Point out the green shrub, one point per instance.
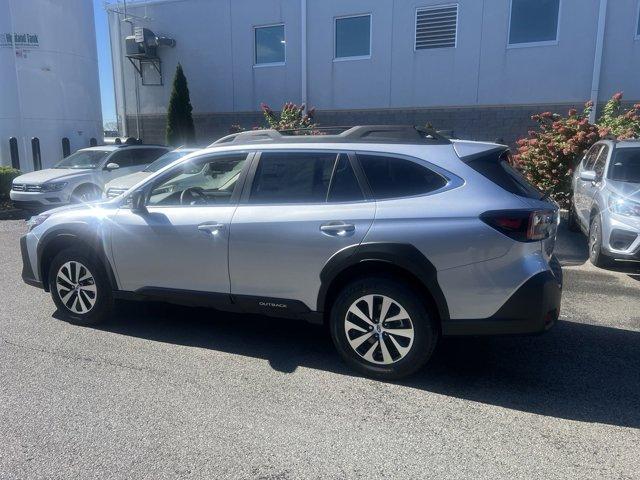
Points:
(7, 174)
(180, 128)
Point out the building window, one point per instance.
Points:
(270, 45)
(353, 37)
(436, 27)
(638, 24)
(534, 21)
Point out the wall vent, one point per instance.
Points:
(436, 27)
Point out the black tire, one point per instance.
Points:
(572, 220)
(597, 257)
(424, 329)
(85, 193)
(72, 303)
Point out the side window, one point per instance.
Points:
(270, 45)
(353, 36)
(600, 162)
(534, 21)
(209, 181)
(292, 177)
(145, 156)
(590, 157)
(123, 158)
(344, 184)
(391, 177)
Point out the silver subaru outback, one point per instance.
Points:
(391, 236)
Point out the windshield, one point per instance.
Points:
(83, 159)
(625, 165)
(165, 160)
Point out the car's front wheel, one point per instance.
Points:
(80, 288)
(382, 328)
(597, 257)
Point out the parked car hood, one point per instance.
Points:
(625, 189)
(82, 206)
(49, 174)
(127, 181)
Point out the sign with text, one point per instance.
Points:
(19, 40)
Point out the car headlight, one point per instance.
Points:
(53, 187)
(36, 220)
(623, 206)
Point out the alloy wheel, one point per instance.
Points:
(379, 329)
(76, 287)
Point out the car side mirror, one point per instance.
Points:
(588, 176)
(137, 201)
(112, 166)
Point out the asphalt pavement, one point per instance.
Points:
(174, 392)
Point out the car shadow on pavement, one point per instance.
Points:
(576, 371)
(572, 250)
(571, 247)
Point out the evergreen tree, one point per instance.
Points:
(180, 129)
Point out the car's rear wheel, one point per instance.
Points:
(382, 329)
(80, 287)
(597, 257)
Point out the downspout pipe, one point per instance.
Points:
(303, 52)
(118, 80)
(597, 61)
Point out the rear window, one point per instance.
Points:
(495, 166)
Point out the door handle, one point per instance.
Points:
(338, 229)
(211, 228)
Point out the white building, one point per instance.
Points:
(49, 87)
(478, 67)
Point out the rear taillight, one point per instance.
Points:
(522, 225)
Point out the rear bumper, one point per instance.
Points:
(28, 275)
(533, 308)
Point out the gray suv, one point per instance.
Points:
(606, 201)
(391, 236)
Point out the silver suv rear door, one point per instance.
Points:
(299, 208)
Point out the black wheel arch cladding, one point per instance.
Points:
(73, 235)
(399, 255)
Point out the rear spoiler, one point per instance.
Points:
(469, 151)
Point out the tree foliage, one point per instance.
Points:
(180, 129)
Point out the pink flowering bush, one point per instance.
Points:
(618, 122)
(548, 156)
(291, 117)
